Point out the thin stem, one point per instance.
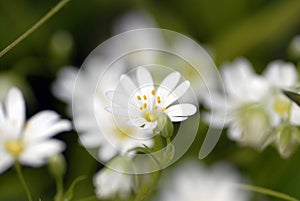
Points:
(39, 23)
(266, 191)
(59, 189)
(168, 140)
(25, 186)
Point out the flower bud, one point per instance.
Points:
(288, 137)
(57, 165)
(164, 126)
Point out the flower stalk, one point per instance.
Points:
(21, 177)
(266, 191)
(39, 23)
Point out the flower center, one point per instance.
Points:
(149, 105)
(14, 147)
(281, 106)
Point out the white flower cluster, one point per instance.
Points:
(28, 143)
(137, 99)
(192, 181)
(258, 113)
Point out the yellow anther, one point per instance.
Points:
(158, 99)
(145, 105)
(155, 107)
(141, 108)
(163, 109)
(145, 97)
(153, 92)
(139, 98)
(147, 114)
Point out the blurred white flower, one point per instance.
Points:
(247, 118)
(284, 114)
(281, 75)
(29, 143)
(198, 68)
(143, 104)
(258, 114)
(192, 181)
(110, 183)
(97, 128)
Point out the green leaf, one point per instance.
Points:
(70, 192)
(293, 96)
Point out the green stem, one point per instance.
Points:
(25, 186)
(168, 140)
(59, 189)
(39, 23)
(266, 191)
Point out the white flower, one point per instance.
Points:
(284, 114)
(282, 75)
(192, 181)
(29, 143)
(97, 128)
(247, 118)
(110, 183)
(143, 104)
(258, 112)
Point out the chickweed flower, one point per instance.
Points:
(192, 181)
(96, 127)
(247, 118)
(28, 143)
(258, 113)
(143, 104)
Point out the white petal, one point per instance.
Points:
(281, 74)
(137, 122)
(178, 119)
(150, 125)
(37, 154)
(91, 140)
(128, 86)
(106, 152)
(168, 84)
(64, 84)
(295, 114)
(236, 75)
(177, 93)
(144, 77)
(216, 119)
(117, 111)
(117, 98)
(15, 108)
(235, 132)
(6, 161)
(180, 110)
(45, 124)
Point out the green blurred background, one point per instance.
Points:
(259, 30)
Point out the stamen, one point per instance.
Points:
(139, 98)
(141, 108)
(147, 114)
(163, 109)
(153, 92)
(145, 97)
(158, 99)
(155, 107)
(145, 105)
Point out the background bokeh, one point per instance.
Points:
(258, 30)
